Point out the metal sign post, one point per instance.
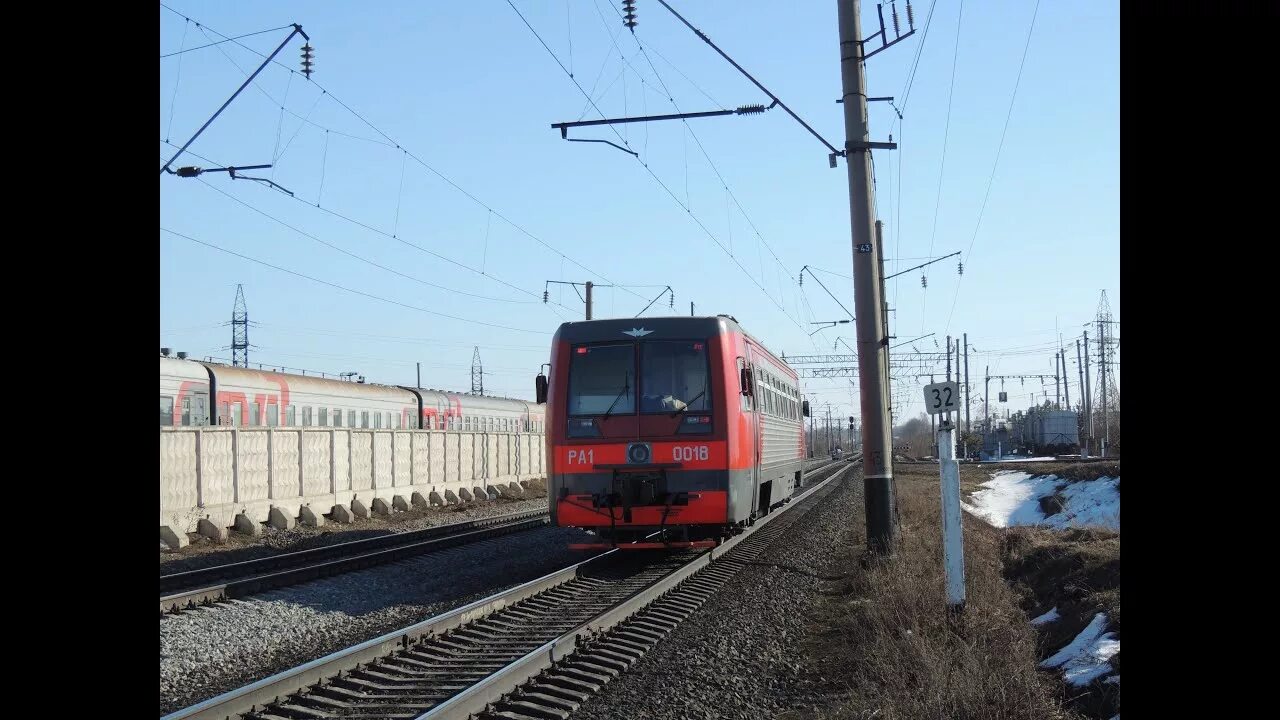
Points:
(952, 533)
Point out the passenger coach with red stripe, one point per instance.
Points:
(684, 427)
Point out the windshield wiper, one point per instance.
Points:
(626, 385)
(686, 405)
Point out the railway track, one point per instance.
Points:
(184, 590)
(536, 650)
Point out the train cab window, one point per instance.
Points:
(166, 411)
(602, 379)
(291, 415)
(674, 375)
(306, 417)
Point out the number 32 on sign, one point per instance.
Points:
(943, 397)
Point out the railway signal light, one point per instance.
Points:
(307, 60)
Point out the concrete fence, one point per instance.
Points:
(216, 478)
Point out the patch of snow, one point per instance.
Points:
(1046, 618)
(1012, 498)
(1114, 679)
(1086, 657)
(1094, 503)
(1018, 458)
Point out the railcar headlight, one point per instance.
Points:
(639, 453)
(583, 427)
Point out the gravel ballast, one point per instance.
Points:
(742, 654)
(202, 552)
(207, 651)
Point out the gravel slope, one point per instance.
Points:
(208, 651)
(742, 654)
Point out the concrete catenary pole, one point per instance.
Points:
(1088, 390)
(1066, 377)
(1057, 389)
(986, 400)
(589, 286)
(1084, 407)
(1102, 382)
(877, 438)
(884, 303)
(968, 399)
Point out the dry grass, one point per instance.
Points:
(1078, 572)
(884, 641)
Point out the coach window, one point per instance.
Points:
(255, 410)
(273, 415)
(291, 415)
(377, 421)
(237, 415)
(166, 410)
(306, 417)
(395, 421)
(364, 418)
(351, 418)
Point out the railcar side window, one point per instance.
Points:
(166, 411)
(237, 415)
(364, 418)
(291, 415)
(255, 411)
(306, 416)
(377, 421)
(351, 419)
(273, 415)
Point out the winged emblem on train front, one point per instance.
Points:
(636, 332)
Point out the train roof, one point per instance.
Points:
(319, 384)
(655, 328)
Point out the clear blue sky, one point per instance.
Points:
(467, 89)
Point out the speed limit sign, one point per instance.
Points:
(943, 397)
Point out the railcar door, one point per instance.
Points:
(757, 429)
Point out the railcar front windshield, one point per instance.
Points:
(602, 379)
(673, 376)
